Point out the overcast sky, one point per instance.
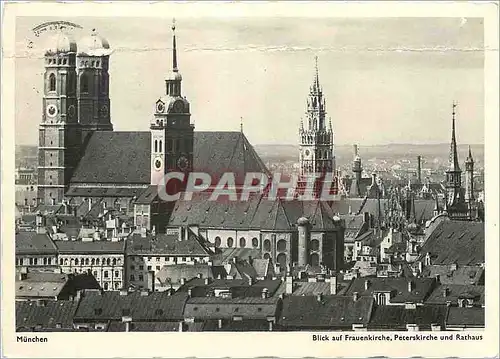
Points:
(386, 80)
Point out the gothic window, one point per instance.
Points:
(381, 299)
(281, 245)
(267, 245)
(76, 261)
(52, 82)
(160, 147)
(114, 261)
(156, 145)
(84, 83)
(86, 261)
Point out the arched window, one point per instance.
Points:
(92, 262)
(160, 148)
(281, 260)
(281, 245)
(114, 261)
(108, 261)
(267, 245)
(230, 242)
(52, 82)
(217, 242)
(76, 261)
(156, 145)
(255, 242)
(87, 261)
(267, 256)
(243, 242)
(381, 299)
(315, 245)
(84, 83)
(61, 261)
(97, 261)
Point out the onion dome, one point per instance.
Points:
(61, 43)
(303, 221)
(94, 45)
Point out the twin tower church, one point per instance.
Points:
(81, 157)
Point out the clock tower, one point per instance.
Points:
(59, 131)
(316, 152)
(172, 134)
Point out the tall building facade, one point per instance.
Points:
(316, 146)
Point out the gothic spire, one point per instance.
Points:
(469, 157)
(174, 49)
(454, 165)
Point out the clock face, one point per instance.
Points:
(160, 107)
(182, 163)
(178, 106)
(307, 153)
(71, 111)
(51, 110)
(158, 163)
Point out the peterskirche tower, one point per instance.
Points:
(316, 151)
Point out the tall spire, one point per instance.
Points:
(174, 48)
(454, 165)
(316, 75)
(469, 157)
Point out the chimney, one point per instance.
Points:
(250, 280)
(333, 285)
(207, 281)
(419, 169)
(265, 292)
(374, 179)
(127, 320)
(181, 326)
(40, 224)
(270, 326)
(319, 297)
(446, 292)
(355, 296)
(183, 281)
(181, 233)
(289, 285)
(90, 203)
(366, 217)
(190, 293)
(144, 293)
(367, 284)
(123, 292)
(410, 285)
(438, 278)
(219, 322)
(250, 260)
(199, 275)
(143, 232)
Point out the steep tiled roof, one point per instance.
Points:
(396, 317)
(452, 292)
(222, 308)
(460, 275)
(421, 288)
(248, 325)
(238, 287)
(34, 243)
(66, 247)
(124, 157)
(325, 312)
(47, 315)
(165, 244)
(459, 242)
(465, 317)
(172, 274)
(155, 327)
(156, 306)
(313, 288)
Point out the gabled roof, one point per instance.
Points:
(452, 292)
(227, 308)
(460, 275)
(396, 317)
(49, 314)
(325, 312)
(172, 274)
(124, 157)
(465, 317)
(34, 243)
(40, 285)
(455, 242)
(83, 247)
(156, 306)
(165, 244)
(421, 288)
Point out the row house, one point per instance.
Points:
(105, 260)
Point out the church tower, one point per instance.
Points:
(59, 131)
(172, 134)
(316, 152)
(453, 174)
(93, 84)
(469, 178)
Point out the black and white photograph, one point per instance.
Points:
(316, 173)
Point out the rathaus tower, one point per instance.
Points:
(316, 152)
